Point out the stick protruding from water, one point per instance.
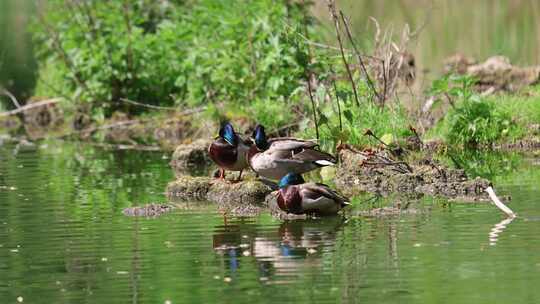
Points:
(500, 204)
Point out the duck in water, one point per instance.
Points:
(297, 197)
(274, 158)
(229, 151)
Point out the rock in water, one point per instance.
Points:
(218, 191)
(150, 210)
(191, 157)
(249, 191)
(189, 188)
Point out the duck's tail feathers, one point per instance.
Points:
(319, 158)
(324, 162)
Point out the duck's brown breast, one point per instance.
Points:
(222, 153)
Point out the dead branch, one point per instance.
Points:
(497, 202)
(30, 106)
(333, 14)
(310, 76)
(362, 65)
(10, 96)
(147, 105)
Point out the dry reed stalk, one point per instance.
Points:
(333, 14)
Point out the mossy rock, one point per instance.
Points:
(228, 195)
(189, 188)
(244, 192)
(149, 210)
(357, 174)
(188, 158)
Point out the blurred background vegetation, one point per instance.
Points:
(247, 59)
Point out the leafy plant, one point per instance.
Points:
(389, 123)
(175, 53)
(477, 122)
(472, 120)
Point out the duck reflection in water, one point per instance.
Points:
(295, 245)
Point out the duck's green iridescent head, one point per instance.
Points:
(260, 138)
(291, 179)
(227, 132)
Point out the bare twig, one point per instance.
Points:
(147, 105)
(11, 96)
(385, 83)
(362, 65)
(309, 75)
(333, 13)
(30, 106)
(337, 98)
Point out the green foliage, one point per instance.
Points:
(479, 163)
(472, 120)
(389, 123)
(183, 54)
(476, 121)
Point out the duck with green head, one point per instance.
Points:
(229, 151)
(298, 197)
(274, 158)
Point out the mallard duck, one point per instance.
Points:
(229, 151)
(297, 197)
(274, 158)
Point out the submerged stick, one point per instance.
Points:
(499, 204)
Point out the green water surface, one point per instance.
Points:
(64, 239)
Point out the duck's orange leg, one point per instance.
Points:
(221, 173)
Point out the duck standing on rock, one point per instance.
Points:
(274, 158)
(229, 151)
(297, 197)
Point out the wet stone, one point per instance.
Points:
(188, 158)
(189, 188)
(226, 194)
(150, 210)
(249, 191)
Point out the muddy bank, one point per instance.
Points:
(45, 118)
(361, 172)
